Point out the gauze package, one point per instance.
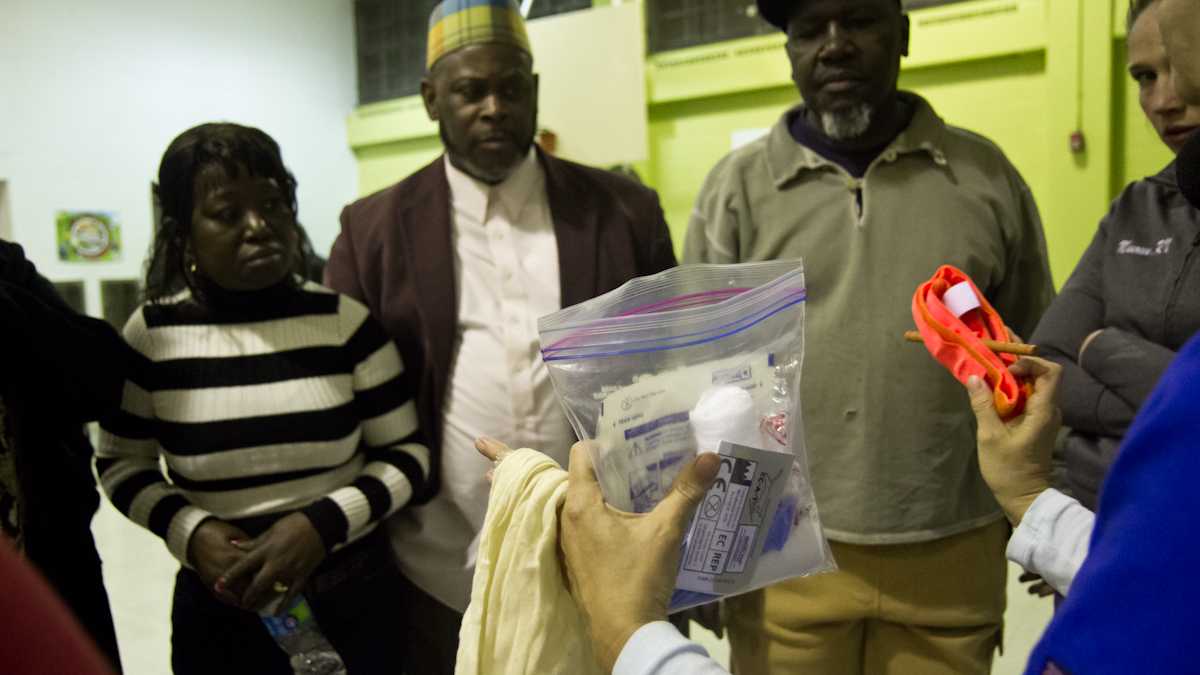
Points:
(700, 358)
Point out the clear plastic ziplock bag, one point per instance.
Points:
(700, 358)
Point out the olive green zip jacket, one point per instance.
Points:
(889, 433)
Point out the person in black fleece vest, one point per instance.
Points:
(58, 370)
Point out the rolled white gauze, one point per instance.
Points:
(725, 413)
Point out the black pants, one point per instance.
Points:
(375, 618)
(73, 568)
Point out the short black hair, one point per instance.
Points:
(230, 147)
(777, 12)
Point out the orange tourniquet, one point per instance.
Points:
(957, 342)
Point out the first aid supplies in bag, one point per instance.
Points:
(700, 358)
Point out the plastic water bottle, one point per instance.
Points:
(299, 636)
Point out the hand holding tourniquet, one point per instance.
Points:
(954, 319)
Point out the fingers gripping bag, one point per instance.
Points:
(700, 358)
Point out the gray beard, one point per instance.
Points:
(847, 124)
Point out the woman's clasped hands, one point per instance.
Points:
(257, 573)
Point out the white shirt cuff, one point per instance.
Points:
(1052, 539)
(652, 649)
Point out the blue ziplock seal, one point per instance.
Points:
(607, 322)
(664, 344)
(732, 328)
(600, 325)
(687, 279)
(581, 334)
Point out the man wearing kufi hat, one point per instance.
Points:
(875, 192)
(460, 259)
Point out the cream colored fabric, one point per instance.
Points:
(522, 620)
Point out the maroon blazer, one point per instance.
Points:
(395, 255)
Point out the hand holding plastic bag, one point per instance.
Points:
(701, 358)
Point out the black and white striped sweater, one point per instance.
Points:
(260, 405)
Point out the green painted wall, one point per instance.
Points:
(383, 164)
(1025, 73)
(688, 137)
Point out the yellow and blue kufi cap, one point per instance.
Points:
(455, 24)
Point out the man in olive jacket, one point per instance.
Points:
(874, 191)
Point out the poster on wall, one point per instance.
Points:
(88, 236)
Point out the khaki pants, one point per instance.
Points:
(925, 609)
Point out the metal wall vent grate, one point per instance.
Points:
(391, 37)
(542, 8)
(391, 47)
(677, 24)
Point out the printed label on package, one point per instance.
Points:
(645, 430)
(727, 532)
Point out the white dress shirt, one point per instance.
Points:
(1052, 539)
(506, 274)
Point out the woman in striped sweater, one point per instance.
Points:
(279, 411)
